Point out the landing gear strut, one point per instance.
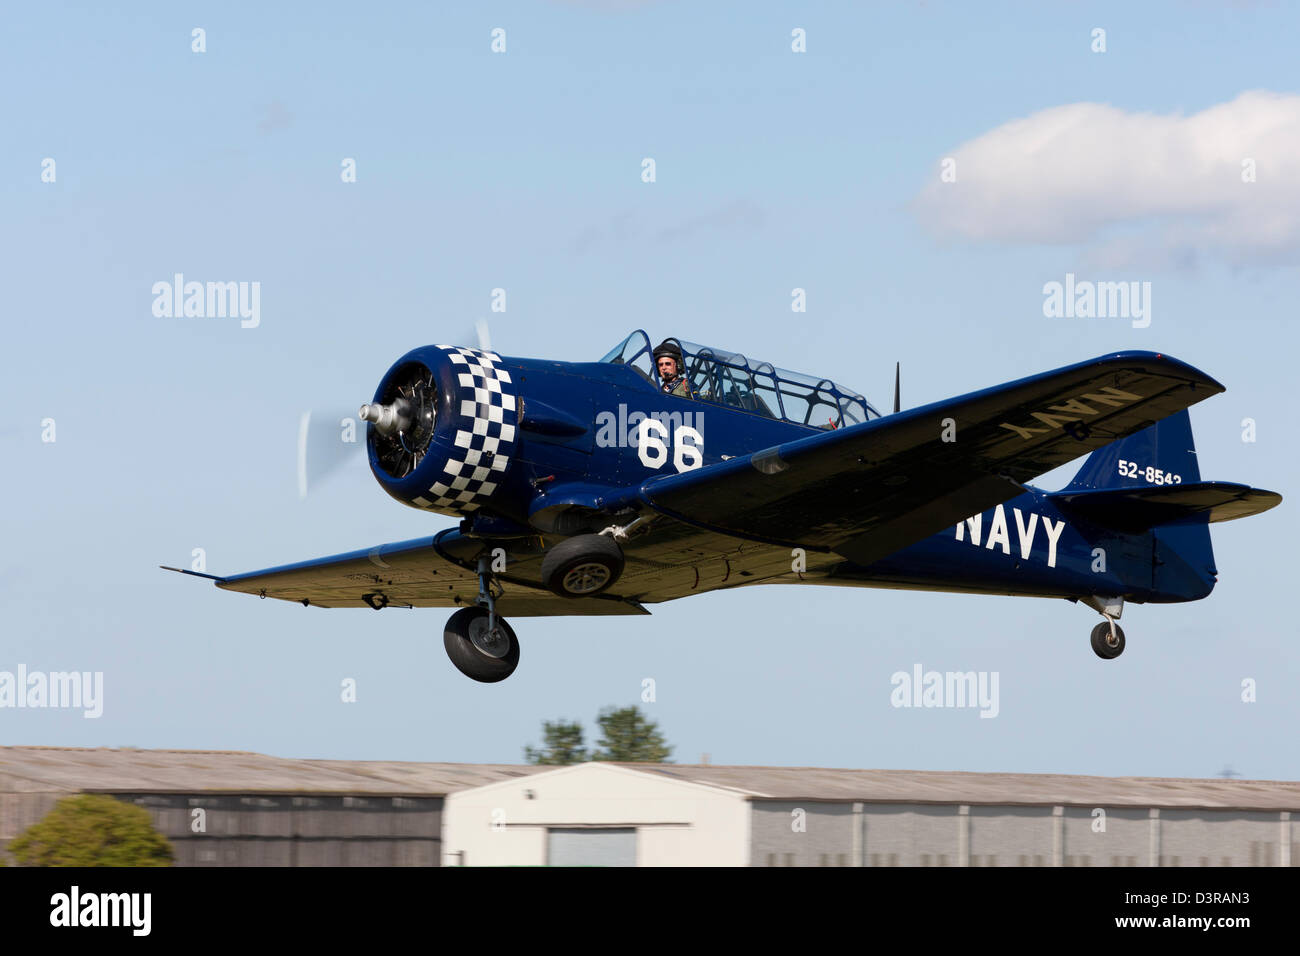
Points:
(1107, 637)
(481, 644)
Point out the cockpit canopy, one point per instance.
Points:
(728, 378)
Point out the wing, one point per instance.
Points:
(871, 489)
(425, 572)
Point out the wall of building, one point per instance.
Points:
(826, 837)
(677, 824)
(303, 830)
(1225, 838)
(944, 835)
(18, 811)
(899, 834)
(1124, 841)
(1009, 836)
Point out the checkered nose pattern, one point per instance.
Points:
(485, 421)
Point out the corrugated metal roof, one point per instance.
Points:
(214, 771)
(207, 771)
(943, 786)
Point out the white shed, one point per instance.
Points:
(595, 814)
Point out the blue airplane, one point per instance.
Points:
(654, 474)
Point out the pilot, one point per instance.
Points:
(669, 362)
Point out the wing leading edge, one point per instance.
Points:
(869, 490)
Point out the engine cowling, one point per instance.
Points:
(443, 427)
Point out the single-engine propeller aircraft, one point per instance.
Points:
(589, 488)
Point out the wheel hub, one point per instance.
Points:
(493, 642)
(586, 578)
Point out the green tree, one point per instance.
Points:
(627, 735)
(92, 829)
(562, 745)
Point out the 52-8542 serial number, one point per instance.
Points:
(1153, 475)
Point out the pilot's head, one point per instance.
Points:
(668, 360)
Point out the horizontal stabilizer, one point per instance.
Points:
(1139, 509)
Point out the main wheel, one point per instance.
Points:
(485, 657)
(1105, 647)
(582, 566)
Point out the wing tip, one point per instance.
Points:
(197, 574)
(1164, 360)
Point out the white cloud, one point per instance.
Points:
(1137, 188)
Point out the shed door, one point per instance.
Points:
(591, 847)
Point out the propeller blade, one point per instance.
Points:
(325, 443)
(484, 338)
(898, 369)
(304, 424)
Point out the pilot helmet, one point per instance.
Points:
(672, 350)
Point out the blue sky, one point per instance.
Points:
(521, 170)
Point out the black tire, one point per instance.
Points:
(458, 639)
(582, 566)
(1101, 641)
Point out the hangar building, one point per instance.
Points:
(246, 809)
(665, 814)
(222, 808)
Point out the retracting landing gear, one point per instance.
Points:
(1107, 637)
(583, 565)
(481, 644)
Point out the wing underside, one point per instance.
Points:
(417, 573)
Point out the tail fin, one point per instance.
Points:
(1163, 454)
(1150, 483)
(1151, 479)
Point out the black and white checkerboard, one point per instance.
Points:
(485, 433)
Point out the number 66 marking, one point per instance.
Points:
(654, 453)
